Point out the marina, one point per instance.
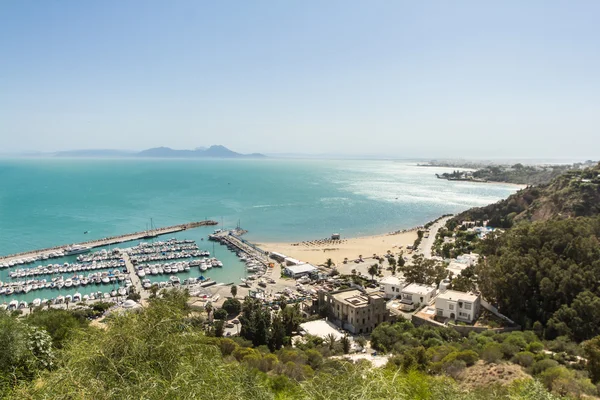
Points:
(111, 273)
(29, 257)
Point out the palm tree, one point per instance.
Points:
(49, 303)
(208, 309)
(329, 262)
(330, 341)
(234, 291)
(67, 302)
(373, 270)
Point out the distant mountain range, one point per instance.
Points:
(216, 151)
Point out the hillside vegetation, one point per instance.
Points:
(163, 352)
(575, 193)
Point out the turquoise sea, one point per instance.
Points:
(49, 202)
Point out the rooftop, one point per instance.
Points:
(321, 328)
(354, 298)
(392, 280)
(455, 295)
(418, 288)
(299, 269)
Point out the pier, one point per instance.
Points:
(114, 239)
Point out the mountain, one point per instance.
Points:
(216, 151)
(575, 193)
(94, 153)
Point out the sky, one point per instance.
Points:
(397, 78)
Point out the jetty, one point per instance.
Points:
(114, 239)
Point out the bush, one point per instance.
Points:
(227, 346)
(535, 347)
(540, 366)
(524, 359)
(469, 357)
(454, 368)
(491, 353)
(220, 314)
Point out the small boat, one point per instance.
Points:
(86, 297)
(68, 298)
(13, 305)
(36, 302)
(59, 300)
(122, 291)
(77, 297)
(23, 304)
(175, 280)
(113, 293)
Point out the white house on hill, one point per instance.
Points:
(391, 286)
(457, 305)
(417, 294)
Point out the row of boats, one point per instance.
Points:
(115, 277)
(181, 266)
(53, 269)
(76, 298)
(67, 251)
(142, 258)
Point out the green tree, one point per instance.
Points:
(373, 270)
(234, 291)
(220, 314)
(346, 345)
(255, 321)
(219, 328)
(592, 354)
(291, 318)
(277, 333)
(232, 306)
(329, 262)
(423, 271)
(330, 341)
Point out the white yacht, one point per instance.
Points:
(76, 249)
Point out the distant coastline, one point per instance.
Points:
(215, 151)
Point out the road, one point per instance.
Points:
(427, 243)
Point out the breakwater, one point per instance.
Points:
(113, 239)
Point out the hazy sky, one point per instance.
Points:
(404, 78)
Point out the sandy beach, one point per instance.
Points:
(316, 252)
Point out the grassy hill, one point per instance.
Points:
(575, 193)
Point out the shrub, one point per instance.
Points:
(469, 357)
(454, 368)
(535, 347)
(524, 359)
(491, 353)
(227, 346)
(542, 365)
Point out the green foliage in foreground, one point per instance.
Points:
(158, 353)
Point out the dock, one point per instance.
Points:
(114, 239)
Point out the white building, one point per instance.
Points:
(468, 259)
(296, 271)
(458, 305)
(293, 261)
(391, 286)
(417, 294)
